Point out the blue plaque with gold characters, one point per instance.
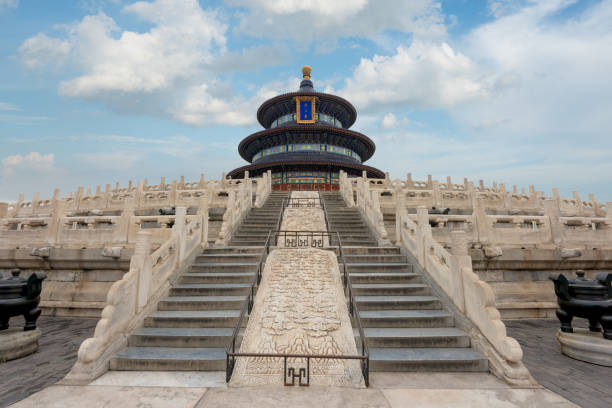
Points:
(305, 108)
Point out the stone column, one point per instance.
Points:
(55, 227)
(3, 210)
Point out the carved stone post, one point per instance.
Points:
(400, 212)
(553, 212)
(122, 231)
(179, 229)
(174, 194)
(437, 197)
(423, 231)
(3, 210)
(460, 258)
(54, 229)
(203, 212)
(479, 217)
(145, 269)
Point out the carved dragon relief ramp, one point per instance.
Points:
(300, 309)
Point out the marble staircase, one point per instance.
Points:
(193, 325)
(405, 324)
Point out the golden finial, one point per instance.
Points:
(306, 70)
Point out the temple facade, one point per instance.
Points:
(307, 141)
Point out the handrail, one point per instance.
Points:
(324, 210)
(231, 353)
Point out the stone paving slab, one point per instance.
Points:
(389, 390)
(588, 385)
(58, 346)
(65, 396)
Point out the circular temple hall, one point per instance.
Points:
(306, 141)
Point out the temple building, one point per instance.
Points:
(306, 141)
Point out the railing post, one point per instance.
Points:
(142, 258)
(54, 230)
(460, 258)
(553, 212)
(204, 219)
(179, 229)
(479, 217)
(122, 230)
(3, 210)
(423, 230)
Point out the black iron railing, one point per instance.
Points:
(300, 239)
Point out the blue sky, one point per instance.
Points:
(512, 91)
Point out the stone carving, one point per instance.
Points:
(300, 308)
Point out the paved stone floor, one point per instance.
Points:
(587, 385)
(387, 390)
(58, 346)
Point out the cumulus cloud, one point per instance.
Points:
(422, 75)
(30, 161)
(172, 69)
(308, 21)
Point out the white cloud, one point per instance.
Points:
(42, 51)
(30, 161)
(389, 121)
(307, 21)
(172, 69)
(557, 75)
(423, 75)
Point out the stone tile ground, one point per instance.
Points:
(587, 385)
(58, 346)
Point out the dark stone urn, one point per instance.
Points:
(20, 296)
(586, 298)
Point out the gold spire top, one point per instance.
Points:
(306, 70)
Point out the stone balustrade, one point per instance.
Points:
(135, 296)
(109, 218)
(473, 298)
(433, 193)
(238, 205)
(142, 196)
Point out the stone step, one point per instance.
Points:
(248, 243)
(183, 337)
(193, 318)
(385, 277)
(224, 267)
(169, 359)
(360, 250)
(375, 258)
(210, 289)
(397, 337)
(201, 303)
(379, 267)
(391, 289)
(249, 237)
(397, 303)
(228, 258)
(406, 318)
(234, 250)
(427, 359)
(218, 277)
